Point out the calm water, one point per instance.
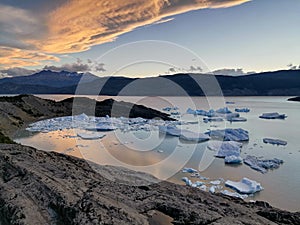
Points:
(165, 156)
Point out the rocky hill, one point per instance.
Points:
(49, 188)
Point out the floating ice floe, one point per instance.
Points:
(245, 186)
(274, 115)
(192, 136)
(242, 110)
(170, 130)
(230, 103)
(102, 127)
(168, 109)
(234, 194)
(224, 149)
(232, 159)
(229, 134)
(274, 141)
(212, 119)
(90, 136)
(184, 134)
(212, 189)
(187, 181)
(262, 165)
(224, 110)
(215, 182)
(237, 119)
(189, 170)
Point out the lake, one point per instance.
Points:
(165, 156)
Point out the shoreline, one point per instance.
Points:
(64, 188)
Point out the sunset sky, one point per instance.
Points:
(257, 35)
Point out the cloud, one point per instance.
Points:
(16, 71)
(75, 26)
(231, 72)
(78, 66)
(13, 57)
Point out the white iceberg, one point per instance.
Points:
(198, 184)
(90, 136)
(229, 134)
(215, 182)
(170, 130)
(212, 189)
(189, 170)
(234, 194)
(236, 119)
(212, 119)
(224, 110)
(245, 186)
(232, 159)
(274, 115)
(102, 127)
(224, 149)
(262, 165)
(242, 110)
(192, 136)
(187, 181)
(274, 141)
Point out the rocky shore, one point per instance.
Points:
(294, 99)
(39, 187)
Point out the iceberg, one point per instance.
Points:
(170, 130)
(198, 184)
(262, 165)
(189, 170)
(227, 148)
(242, 110)
(232, 159)
(245, 186)
(187, 181)
(274, 115)
(224, 110)
(192, 136)
(215, 182)
(229, 134)
(234, 194)
(102, 127)
(274, 141)
(212, 119)
(212, 189)
(237, 119)
(90, 136)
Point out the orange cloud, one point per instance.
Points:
(77, 25)
(13, 57)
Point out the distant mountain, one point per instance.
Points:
(50, 79)
(279, 83)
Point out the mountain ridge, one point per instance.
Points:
(277, 83)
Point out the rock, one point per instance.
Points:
(50, 188)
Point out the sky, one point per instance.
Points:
(140, 38)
